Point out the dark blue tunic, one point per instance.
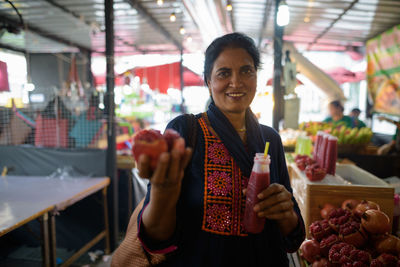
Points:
(198, 243)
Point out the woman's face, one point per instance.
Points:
(233, 80)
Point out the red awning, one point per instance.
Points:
(159, 77)
(4, 86)
(101, 80)
(166, 76)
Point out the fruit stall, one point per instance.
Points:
(349, 213)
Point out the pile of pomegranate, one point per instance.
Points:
(312, 169)
(356, 234)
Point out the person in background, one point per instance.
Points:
(336, 115)
(394, 145)
(354, 114)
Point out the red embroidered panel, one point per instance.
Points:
(224, 201)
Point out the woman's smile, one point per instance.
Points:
(233, 80)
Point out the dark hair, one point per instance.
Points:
(337, 104)
(356, 110)
(231, 40)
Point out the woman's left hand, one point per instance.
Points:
(275, 203)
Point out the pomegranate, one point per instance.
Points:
(375, 222)
(174, 141)
(387, 244)
(151, 143)
(323, 262)
(338, 217)
(352, 233)
(320, 229)
(326, 210)
(310, 251)
(364, 206)
(327, 243)
(315, 173)
(384, 260)
(337, 250)
(343, 254)
(350, 204)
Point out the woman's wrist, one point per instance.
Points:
(159, 221)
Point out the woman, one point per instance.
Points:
(195, 217)
(336, 115)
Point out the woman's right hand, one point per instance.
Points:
(159, 216)
(167, 177)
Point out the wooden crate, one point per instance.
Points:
(311, 196)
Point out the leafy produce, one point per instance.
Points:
(354, 235)
(153, 144)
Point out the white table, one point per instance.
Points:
(25, 198)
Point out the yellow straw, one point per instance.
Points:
(266, 149)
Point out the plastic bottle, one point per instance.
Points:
(331, 155)
(259, 181)
(317, 145)
(322, 150)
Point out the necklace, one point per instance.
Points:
(241, 130)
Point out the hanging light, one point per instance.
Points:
(189, 39)
(160, 2)
(283, 16)
(307, 19)
(182, 30)
(229, 7)
(172, 17)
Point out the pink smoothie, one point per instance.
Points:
(259, 181)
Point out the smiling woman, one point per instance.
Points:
(194, 210)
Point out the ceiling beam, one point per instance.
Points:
(12, 48)
(89, 23)
(151, 20)
(332, 24)
(6, 19)
(264, 25)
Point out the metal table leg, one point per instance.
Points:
(106, 225)
(44, 225)
(52, 239)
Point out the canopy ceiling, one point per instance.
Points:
(142, 26)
